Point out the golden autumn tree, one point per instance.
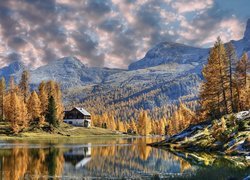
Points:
(34, 108)
(133, 126)
(215, 88)
(59, 104)
(120, 126)
(242, 82)
(161, 127)
(15, 112)
(112, 124)
(24, 116)
(144, 124)
(43, 96)
(232, 60)
(126, 126)
(2, 94)
(12, 85)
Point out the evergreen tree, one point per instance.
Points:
(53, 89)
(24, 86)
(51, 112)
(2, 94)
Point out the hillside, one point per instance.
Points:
(229, 135)
(169, 72)
(64, 131)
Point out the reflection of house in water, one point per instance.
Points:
(78, 156)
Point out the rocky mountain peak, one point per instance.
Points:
(70, 61)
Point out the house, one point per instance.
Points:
(78, 117)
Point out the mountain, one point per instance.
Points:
(243, 45)
(70, 72)
(168, 72)
(15, 68)
(168, 52)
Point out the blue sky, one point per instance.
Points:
(112, 33)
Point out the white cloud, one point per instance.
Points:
(184, 6)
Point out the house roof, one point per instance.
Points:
(83, 111)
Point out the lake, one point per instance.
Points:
(113, 158)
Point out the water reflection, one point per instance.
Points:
(78, 157)
(19, 163)
(117, 158)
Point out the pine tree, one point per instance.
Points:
(242, 68)
(215, 89)
(133, 126)
(120, 126)
(59, 104)
(51, 112)
(161, 127)
(12, 85)
(140, 125)
(34, 107)
(144, 124)
(43, 96)
(2, 94)
(53, 89)
(112, 124)
(24, 86)
(24, 116)
(232, 58)
(15, 115)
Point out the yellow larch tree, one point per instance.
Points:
(133, 126)
(34, 107)
(43, 96)
(15, 115)
(242, 83)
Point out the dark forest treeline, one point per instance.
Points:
(22, 108)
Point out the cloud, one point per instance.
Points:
(109, 33)
(205, 28)
(183, 6)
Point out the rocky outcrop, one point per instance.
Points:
(229, 135)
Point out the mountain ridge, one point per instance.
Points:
(168, 72)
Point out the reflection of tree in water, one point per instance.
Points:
(123, 160)
(212, 166)
(21, 163)
(135, 160)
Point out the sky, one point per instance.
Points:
(112, 33)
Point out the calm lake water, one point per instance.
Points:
(127, 158)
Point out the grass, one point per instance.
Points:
(64, 131)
